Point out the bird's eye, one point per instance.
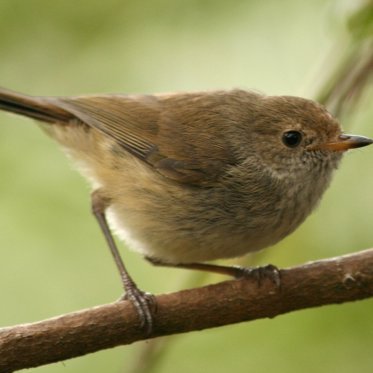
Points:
(292, 138)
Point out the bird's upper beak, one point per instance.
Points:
(344, 142)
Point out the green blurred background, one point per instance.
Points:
(53, 258)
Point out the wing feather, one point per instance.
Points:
(116, 116)
(162, 135)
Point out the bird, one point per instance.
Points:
(190, 177)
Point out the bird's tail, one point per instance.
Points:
(44, 109)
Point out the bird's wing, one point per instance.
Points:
(142, 128)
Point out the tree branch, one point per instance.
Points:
(330, 281)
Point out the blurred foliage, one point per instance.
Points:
(53, 258)
(360, 24)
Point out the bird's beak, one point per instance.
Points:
(343, 143)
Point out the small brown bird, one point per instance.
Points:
(191, 177)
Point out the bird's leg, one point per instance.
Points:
(258, 273)
(144, 302)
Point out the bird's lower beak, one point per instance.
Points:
(343, 143)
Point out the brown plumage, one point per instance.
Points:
(199, 176)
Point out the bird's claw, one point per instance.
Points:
(145, 305)
(260, 273)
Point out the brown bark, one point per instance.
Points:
(330, 281)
